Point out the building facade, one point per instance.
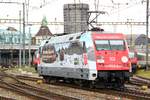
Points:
(12, 36)
(10, 44)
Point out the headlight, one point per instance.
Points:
(124, 59)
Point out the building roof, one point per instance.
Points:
(131, 38)
(141, 40)
(11, 29)
(44, 31)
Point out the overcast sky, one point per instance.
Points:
(117, 10)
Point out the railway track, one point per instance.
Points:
(128, 92)
(138, 80)
(66, 88)
(12, 83)
(70, 89)
(5, 98)
(134, 93)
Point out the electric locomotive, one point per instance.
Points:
(91, 58)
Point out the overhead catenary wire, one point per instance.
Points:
(125, 8)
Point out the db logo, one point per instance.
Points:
(112, 59)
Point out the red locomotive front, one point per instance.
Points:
(111, 52)
(112, 61)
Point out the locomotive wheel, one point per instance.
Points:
(70, 81)
(91, 85)
(79, 82)
(46, 79)
(50, 80)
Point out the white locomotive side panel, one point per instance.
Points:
(68, 54)
(68, 58)
(90, 54)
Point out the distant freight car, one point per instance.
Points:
(91, 57)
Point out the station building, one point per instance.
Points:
(11, 43)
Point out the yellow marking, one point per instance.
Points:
(144, 87)
(39, 81)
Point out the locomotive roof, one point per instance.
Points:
(57, 38)
(65, 38)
